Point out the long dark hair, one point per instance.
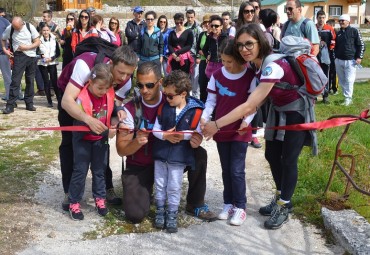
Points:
(163, 17)
(228, 48)
(240, 21)
(255, 31)
(79, 25)
(68, 33)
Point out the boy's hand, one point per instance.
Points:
(172, 136)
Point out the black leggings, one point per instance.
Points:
(283, 157)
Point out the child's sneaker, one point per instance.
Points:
(171, 221)
(160, 215)
(75, 212)
(238, 217)
(100, 206)
(226, 212)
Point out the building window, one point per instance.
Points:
(335, 10)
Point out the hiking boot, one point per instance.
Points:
(30, 107)
(171, 221)
(255, 143)
(267, 209)
(226, 212)
(40, 93)
(238, 217)
(112, 197)
(8, 110)
(65, 203)
(100, 206)
(202, 212)
(279, 216)
(325, 100)
(160, 215)
(75, 212)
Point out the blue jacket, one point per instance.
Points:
(181, 152)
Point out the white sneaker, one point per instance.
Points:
(238, 217)
(347, 102)
(226, 212)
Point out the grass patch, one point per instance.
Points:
(314, 171)
(366, 60)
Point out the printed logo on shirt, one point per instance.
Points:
(267, 71)
(224, 91)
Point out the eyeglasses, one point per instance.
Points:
(70, 18)
(170, 96)
(149, 19)
(249, 45)
(341, 20)
(84, 17)
(290, 9)
(113, 23)
(179, 22)
(215, 26)
(149, 85)
(248, 11)
(162, 21)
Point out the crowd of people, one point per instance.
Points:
(192, 80)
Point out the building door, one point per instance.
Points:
(315, 10)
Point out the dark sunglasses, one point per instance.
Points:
(149, 85)
(162, 21)
(113, 23)
(70, 19)
(179, 23)
(248, 11)
(249, 45)
(84, 17)
(290, 9)
(215, 26)
(170, 96)
(256, 7)
(149, 19)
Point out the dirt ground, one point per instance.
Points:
(34, 223)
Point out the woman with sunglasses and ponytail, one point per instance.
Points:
(83, 29)
(180, 41)
(212, 45)
(288, 107)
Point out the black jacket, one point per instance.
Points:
(211, 47)
(349, 44)
(132, 32)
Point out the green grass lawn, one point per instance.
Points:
(366, 60)
(314, 171)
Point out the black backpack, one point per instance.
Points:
(102, 47)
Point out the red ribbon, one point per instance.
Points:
(330, 123)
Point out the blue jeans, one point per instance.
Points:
(232, 156)
(93, 154)
(6, 72)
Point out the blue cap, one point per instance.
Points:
(138, 9)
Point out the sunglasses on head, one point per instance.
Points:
(290, 9)
(179, 22)
(215, 26)
(248, 11)
(170, 96)
(70, 18)
(149, 85)
(84, 17)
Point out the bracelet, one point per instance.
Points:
(217, 126)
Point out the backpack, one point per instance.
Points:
(276, 46)
(102, 47)
(296, 50)
(302, 27)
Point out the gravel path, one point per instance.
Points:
(54, 232)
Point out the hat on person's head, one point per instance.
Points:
(345, 17)
(138, 9)
(206, 18)
(90, 9)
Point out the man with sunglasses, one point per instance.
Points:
(134, 27)
(298, 25)
(71, 81)
(138, 177)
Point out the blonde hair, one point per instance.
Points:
(102, 72)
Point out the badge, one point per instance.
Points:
(267, 71)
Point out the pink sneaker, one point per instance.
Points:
(238, 217)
